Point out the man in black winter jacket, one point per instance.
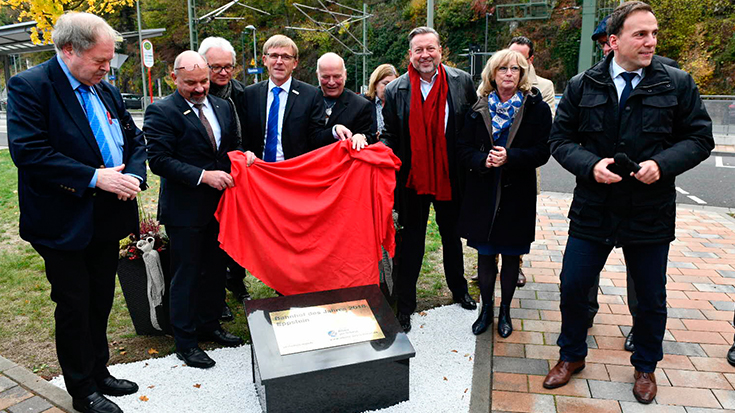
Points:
(629, 104)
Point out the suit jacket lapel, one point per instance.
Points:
(293, 94)
(191, 116)
(263, 99)
(222, 115)
(339, 106)
(69, 101)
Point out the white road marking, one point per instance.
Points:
(695, 199)
(719, 164)
(681, 191)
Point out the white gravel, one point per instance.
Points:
(441, 374)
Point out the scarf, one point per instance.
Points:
(225, 92)
(429, 164)
(502, 114)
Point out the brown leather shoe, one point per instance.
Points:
(562, 372)
(645, 388)
(521, 278)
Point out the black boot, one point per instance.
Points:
(505, 325)
(484, 320)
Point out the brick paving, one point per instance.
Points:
(693, 377)
(21, 391)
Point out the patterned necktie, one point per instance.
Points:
(206, 124)
(628, 77)
(271, 139)
(96, 125)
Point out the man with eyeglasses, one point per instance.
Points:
(189, 135)
(424, 112)
(221, 59)
(625, 128)
(284, 117)
(343, 107)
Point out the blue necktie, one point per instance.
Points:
(96, 126)
(271, 139)
(628, 77)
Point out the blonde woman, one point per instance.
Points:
(382, 75)
(501, 145)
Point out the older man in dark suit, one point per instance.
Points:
(342, 107)
(189, 135)
(81, 163)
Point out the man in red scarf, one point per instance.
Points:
(421, 128)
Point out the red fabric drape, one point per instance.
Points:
(429, 163)
(312, 223)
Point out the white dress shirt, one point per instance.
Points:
(426, 88)
(283, 98)
(616, 70)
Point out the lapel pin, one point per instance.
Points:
(187, 112)
(295, 91)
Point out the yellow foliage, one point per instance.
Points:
(46, 12)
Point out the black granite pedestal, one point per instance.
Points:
(350, 378)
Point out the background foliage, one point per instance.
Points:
(700, 34)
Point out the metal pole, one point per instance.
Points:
(140, 54)
(364, 47)
(255, 54)
(192, 34)
(244, 62)
(487, 15)
(586, 48)
(430, 13)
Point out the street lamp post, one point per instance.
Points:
(255, 52)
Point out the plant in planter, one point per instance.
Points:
(144, 276)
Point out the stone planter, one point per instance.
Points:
(134, 283)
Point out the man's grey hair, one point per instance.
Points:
(328, 55)
(423, 30)
(218, 42)
(82, 31)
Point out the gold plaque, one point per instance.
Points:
(323, 326)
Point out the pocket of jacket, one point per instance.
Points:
(592, 112)
(658, 113)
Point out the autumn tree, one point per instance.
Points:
(45, 12)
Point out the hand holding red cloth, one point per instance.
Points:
(311, 223)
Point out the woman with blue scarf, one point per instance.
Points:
(501, 145)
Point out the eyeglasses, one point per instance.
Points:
(601, 45)
(188, 68)
(284, 57)
(219, 69)
(513, 69)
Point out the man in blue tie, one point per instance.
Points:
(629, 105)
(284, 116)
(81, 163)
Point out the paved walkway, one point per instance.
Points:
(693, 377)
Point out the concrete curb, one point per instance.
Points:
(482, 373)
(33, 383)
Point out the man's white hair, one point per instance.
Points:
(218, 42)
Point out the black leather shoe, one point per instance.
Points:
(466, 302)
(242, 297)
(95, 403)
(116, 387)
(196, 357)
(226, 313)
(505, 324)
(484, 320)
(405, 320)
(521, 278)
(629, 346)
(731, 355)
(221, 336)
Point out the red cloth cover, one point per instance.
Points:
(311, 223)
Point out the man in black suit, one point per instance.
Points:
(284, 116)
(81, 163)
(189, 135)
(342, 106)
